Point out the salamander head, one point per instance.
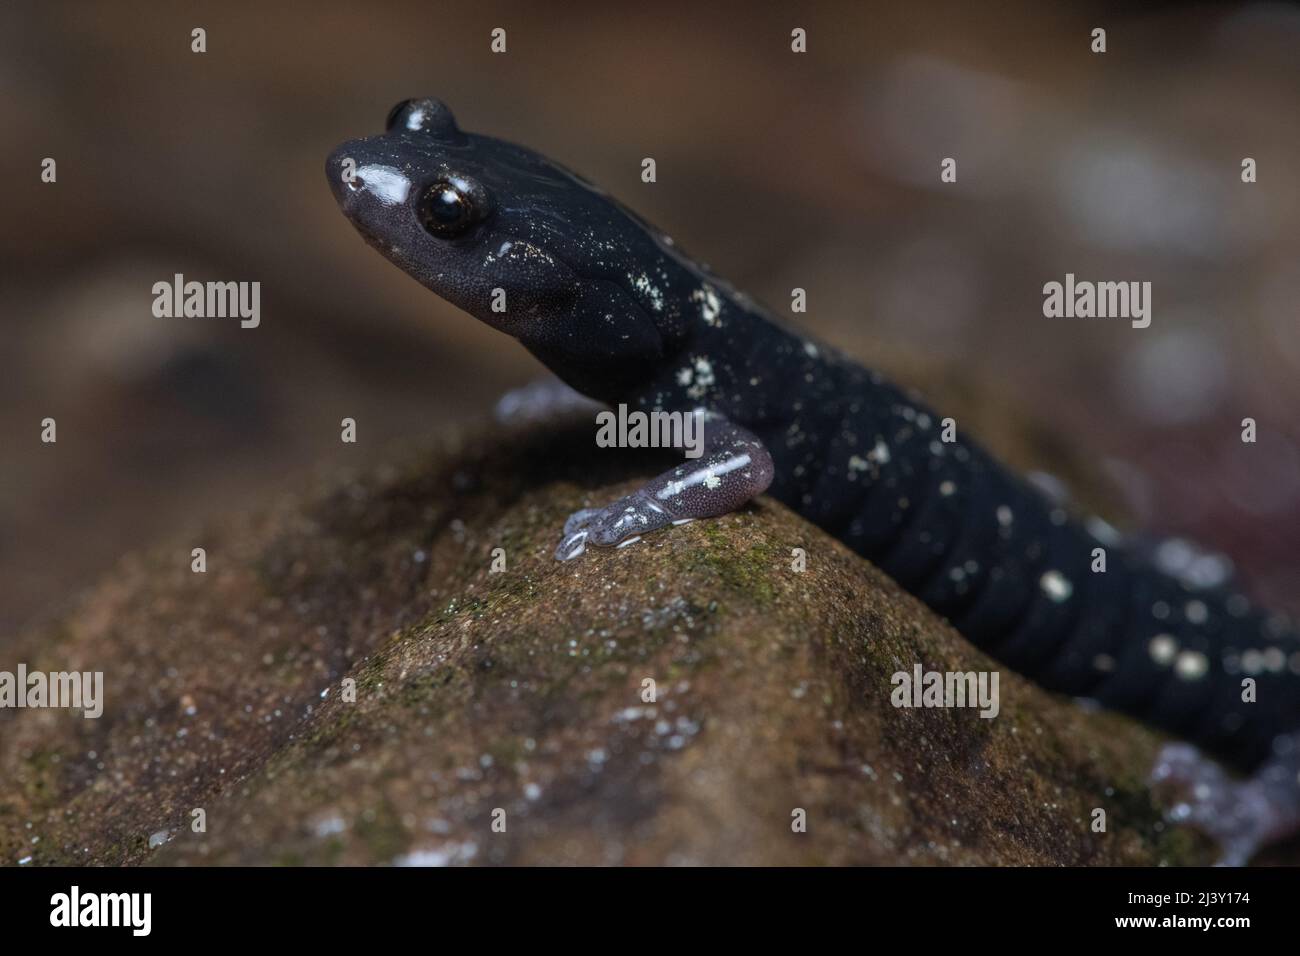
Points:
(515, 240)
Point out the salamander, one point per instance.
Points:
(618, 312)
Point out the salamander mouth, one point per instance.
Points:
(371, 239)
(381, 244)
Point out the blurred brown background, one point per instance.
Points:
(819, 171)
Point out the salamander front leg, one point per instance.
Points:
(1242, 815)
(733, 468)
(539, 400)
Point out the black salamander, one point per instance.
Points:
(619, 313)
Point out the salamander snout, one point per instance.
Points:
(358, 174)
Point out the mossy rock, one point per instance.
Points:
(516, 696)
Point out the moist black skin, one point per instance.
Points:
(611, 306)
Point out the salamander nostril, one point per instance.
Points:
(341, 171)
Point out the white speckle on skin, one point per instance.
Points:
(946, 488)
(643, 285)
(1208, 571)
(1103, 531)
(703, 378)
(387, 184)
(1056, 586)
(1191, 564)
(1005, 516)
(1173, 554)
(710, 305)
(1196, 612)
(1163, 648)
(879, 454)
(1191, 665)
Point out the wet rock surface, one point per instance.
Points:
(517, 696)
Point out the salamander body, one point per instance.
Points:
(618, 312)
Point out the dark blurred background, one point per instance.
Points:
(819, 171)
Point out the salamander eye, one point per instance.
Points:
(423, 116)
(394, 113)
(446, 211)
(452, 205)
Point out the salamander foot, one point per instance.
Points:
(733, 468)
(617, 524)
(1241, 815)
